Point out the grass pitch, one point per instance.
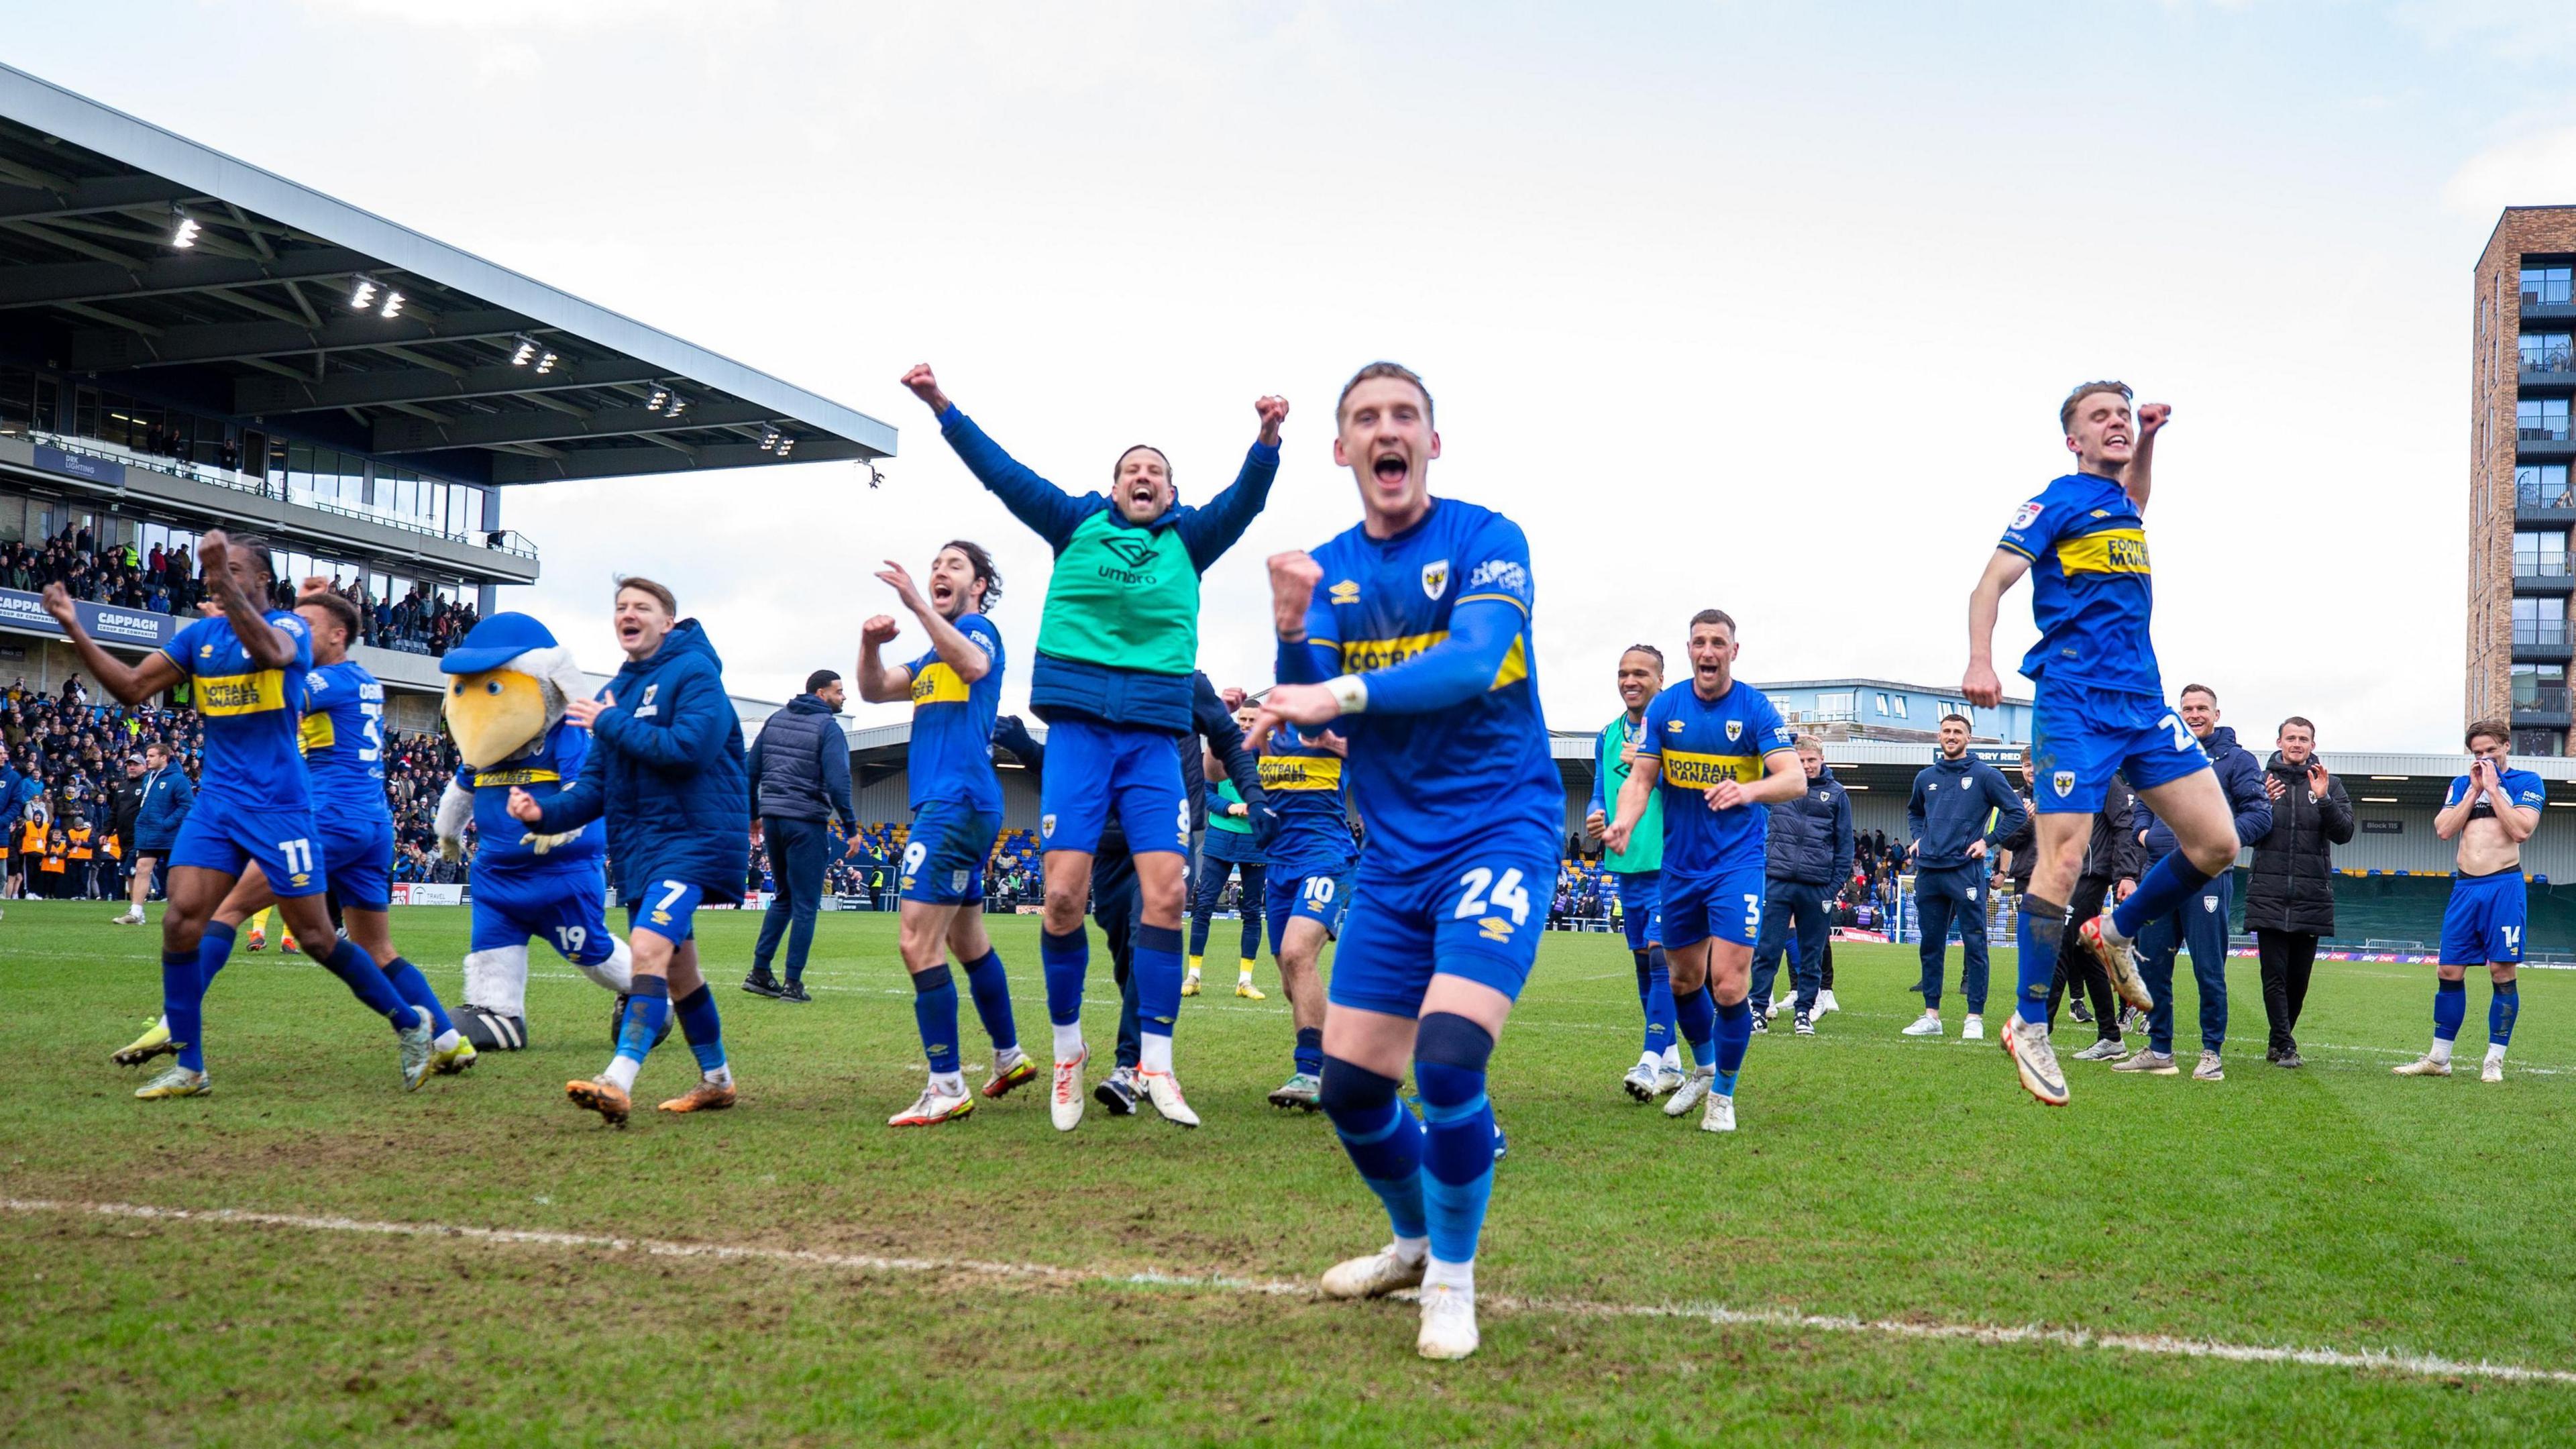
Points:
(994, 1282)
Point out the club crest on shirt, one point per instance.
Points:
(645, 708)
(2208, 904)
(2064, 781)
(2029, 515)
(1734, 730)
(1435, 579)
(1046, 827)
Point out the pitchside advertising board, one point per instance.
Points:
(115, 627)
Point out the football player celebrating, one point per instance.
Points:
(956, 812)
(1413, 630)
(1116, 647)
(254, 805)
(1718, 754)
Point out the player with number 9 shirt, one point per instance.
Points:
(1413, 630)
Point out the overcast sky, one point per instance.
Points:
(1766, 307)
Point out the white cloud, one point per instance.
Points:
(2535, 170)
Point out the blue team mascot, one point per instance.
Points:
(508, 684)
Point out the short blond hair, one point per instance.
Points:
(2066, 409)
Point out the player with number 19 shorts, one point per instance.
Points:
(1413, 631)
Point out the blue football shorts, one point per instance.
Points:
(1641, 904)
(2483, 923)
(1092, 768)
(1724, 905)
(1323, 897)
(359, 849)
(1475, 912)
(225, 835)
(943, 860)
(565, 908)
(668, 909)
(2081, 736)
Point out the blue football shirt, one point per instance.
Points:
(252, 754)
(2522, 787)
(544, 771)
(1303, 781)
(1700, 742)
(1428, 783)
(951, 756)
(2091, 592)
(343, 736)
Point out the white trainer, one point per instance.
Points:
(1720, 1116)
(1825, 1002)
(1380, 1273)
(1164, 1091)
(933, 1107)
(2423, 1066)
(1640, 1082)
(1687, 1095)
(1928, 1024)
(1669, 1078)
(1065, 1106)
(1973, 1029)
(2493, 1071)
(1448, 1322)
(133, 917)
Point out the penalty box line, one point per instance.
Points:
(1992, 1335)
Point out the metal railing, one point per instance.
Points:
(2539, 566)
(2529, 495)
(2553, 358)
(2546, 431)
(2540, 636)
(509, 541)
(2540, 699)
(2548, 291)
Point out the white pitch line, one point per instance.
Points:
(1992, 1335)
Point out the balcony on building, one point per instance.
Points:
(2542, 641)
(2546, 360)
(2542, 494)
(2549, 292)
(2542, 707)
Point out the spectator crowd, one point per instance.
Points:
(164, 581)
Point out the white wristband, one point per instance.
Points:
(1352, 691)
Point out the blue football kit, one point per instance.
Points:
(526, 885)
(1713, 878)
(254, 799)
(956, 796)
(2099, 707)
(1463, 803)
(343, 736)
(1310, 858)
(1450, 766)
(2483, 922)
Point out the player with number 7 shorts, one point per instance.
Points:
(1413, 631)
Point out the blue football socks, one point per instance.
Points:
(183, 998)
(214, 948)
(1655, 994)
(1695, 1017)
(366, 981)
(1734, 1035)
(2042, 931)
(1449, 1055)
(1064, 959)
(703, 1029)
(934, 1011)
(991, 988)
(2161, 891)
(1383, 1140)
(415, 990)
(2502, 1008)
(2450, 1008)
(1157, 969)
(648, 1010)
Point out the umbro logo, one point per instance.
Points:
(1346, 592)
(1133, 552)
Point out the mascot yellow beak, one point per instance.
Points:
(494, 713)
